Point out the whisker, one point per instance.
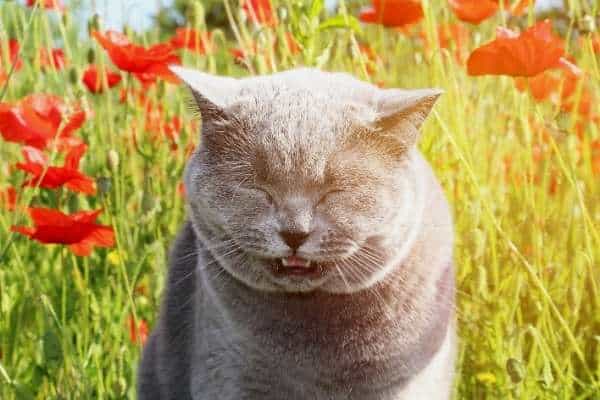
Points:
(343, 277)
(388, 310)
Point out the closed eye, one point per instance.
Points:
(324, 198)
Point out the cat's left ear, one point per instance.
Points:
(400, 113)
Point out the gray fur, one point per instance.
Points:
(327, 154)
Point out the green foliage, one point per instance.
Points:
(518, 174)
(187, 12)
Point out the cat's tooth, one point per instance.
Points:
(295, 262)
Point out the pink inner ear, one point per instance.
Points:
(402, 112)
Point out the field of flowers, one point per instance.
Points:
(95, 132)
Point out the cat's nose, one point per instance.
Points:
(294, 239)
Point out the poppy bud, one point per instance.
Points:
(104, 185)
(587, 24)
(66, 19)
(91, 56)
(119, 386)
(94, 23)
(127, 31)
(73, 78)
(282, 13)
(112, 159)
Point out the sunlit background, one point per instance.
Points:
(514, 140)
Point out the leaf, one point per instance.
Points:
(23, 393)
(341, 21)
(515, 370)
(547, 378)
(52, 347)
(316, 8)
(324, 57)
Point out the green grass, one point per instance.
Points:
(527, 249)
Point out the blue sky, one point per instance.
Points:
(116, 13)
(138, 13)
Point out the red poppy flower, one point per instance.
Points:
(37, 119)
(181, 189)
(238, 54)
(139, 333)
(566, 86)
(596, 44)
(3, 77)
(291, 43)
(97, 82)
(50, 177)
(473, 11)
(259, 12)
(525, 54)
(369, 57)
(10, 49)
(79, 230)
(55, 59)
(453, 37)
(47, 4)
(172, 129)
(160, 127)
(146, 79)
(154, 60)
(187, 38)
(581, 104)
(8, 198)
(137, 95)
(453, 34)
(543, 85)
(392, 13)
(596, 157)
(241, 55)
(540, 86)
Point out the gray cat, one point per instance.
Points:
(317, 260)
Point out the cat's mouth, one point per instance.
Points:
(296, 266)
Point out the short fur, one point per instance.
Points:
(334, 157)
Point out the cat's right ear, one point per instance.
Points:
(211, 93)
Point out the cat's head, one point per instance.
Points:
(304, 180)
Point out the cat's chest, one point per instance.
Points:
(312, 348)
(230, 366)
(241, 376)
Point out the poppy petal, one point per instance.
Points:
(473, 11)
(74, 156)
(392, 13)
(527, 54)
(82, 249)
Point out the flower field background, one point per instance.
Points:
(96, 131)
